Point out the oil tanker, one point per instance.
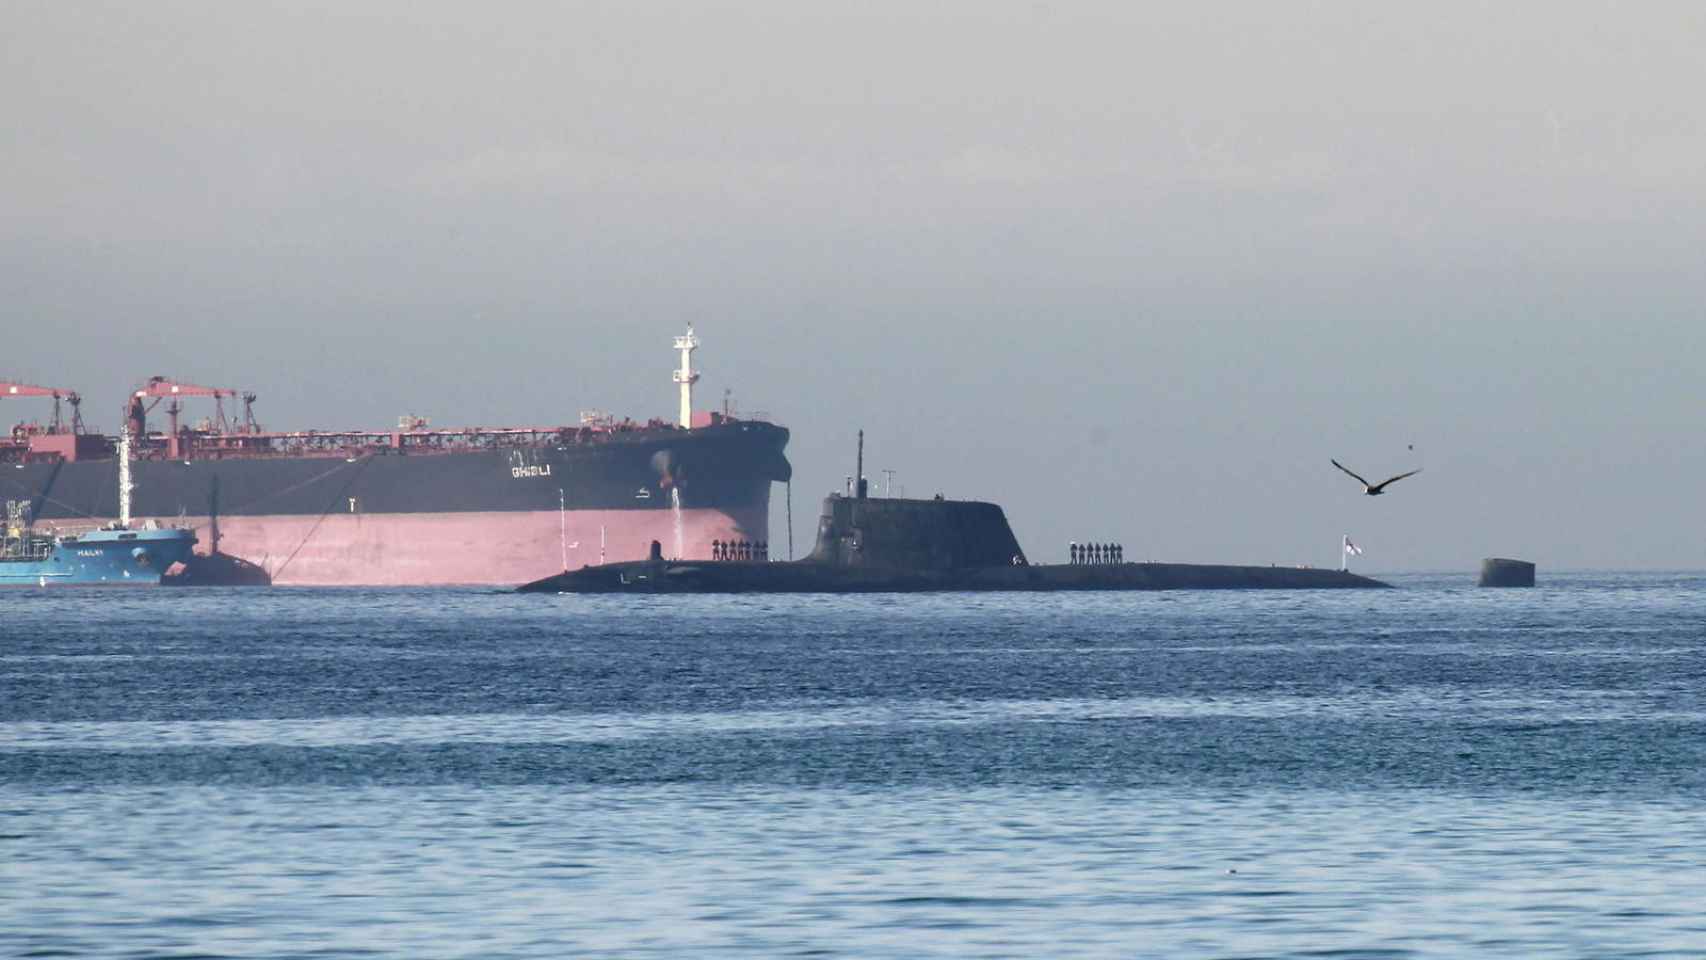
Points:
(414, 505)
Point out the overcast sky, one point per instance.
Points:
(1135, 271)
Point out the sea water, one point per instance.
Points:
(1435, 770)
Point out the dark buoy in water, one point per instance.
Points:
(1499, 572)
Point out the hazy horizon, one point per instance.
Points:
(1134, 272)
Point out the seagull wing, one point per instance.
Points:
(1383, 483)
(1353, 472)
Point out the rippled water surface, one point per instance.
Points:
(1429, 771)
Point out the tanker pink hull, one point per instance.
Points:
(494, 549)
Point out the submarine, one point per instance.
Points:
(896, 545)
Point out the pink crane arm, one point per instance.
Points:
(10, 389)
(162, 387)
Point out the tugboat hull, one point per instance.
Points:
(139, 557)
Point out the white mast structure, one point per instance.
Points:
(124, 484)
(687, 376)
(1347, 550)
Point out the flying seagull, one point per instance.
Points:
(1375, 489)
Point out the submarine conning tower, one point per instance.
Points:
(913, 534)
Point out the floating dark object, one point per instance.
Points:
(1500, 572)
(218, 570)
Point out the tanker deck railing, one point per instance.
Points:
(353, 443)
(196, 444)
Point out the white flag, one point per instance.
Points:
(1352, 548)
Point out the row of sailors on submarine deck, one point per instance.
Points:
(740, 550)
(1084, 553)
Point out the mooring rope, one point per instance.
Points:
(343, 493)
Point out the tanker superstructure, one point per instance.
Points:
(416, 505)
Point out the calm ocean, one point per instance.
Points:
(1430, 771)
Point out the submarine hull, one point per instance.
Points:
(728, 577)
(890, 545)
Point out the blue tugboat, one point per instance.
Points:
(114, 554)
(97, 556)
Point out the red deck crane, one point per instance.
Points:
(10, 389)
(160, 388)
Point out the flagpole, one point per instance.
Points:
(1344, 553)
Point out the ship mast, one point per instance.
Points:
(687, 376)
(124, 485)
